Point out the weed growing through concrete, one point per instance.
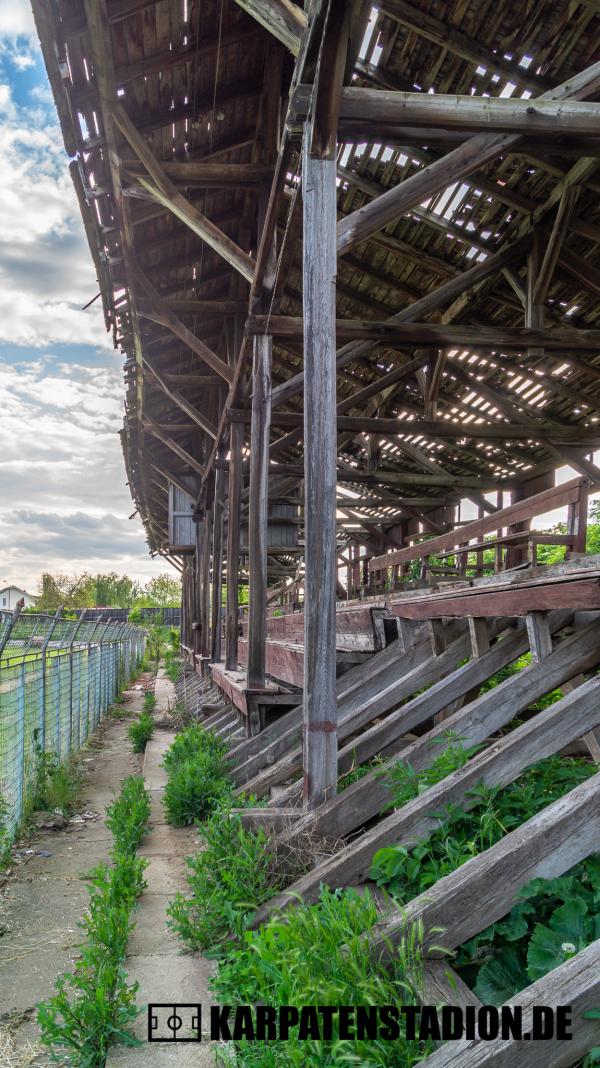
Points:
(140, 732)
(228, 880)
(198, 782)
(94, 1007)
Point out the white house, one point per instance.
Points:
(11, 594)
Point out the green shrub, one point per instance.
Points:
(149, 701)
(552, 920)
(191, 742)
(227, 880)
(460, 835)
(56, 786)
(405, 782)
(197, 777)
(195, 788)
(175, 638)
(316, 955)
(140, 732)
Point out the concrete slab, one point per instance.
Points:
(169, 841)
(166, 874)
(151, 935)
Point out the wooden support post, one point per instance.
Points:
(236, 440)
(540, 637)
(258, 510)
(577, 520)
(480, 635)
(217, 561)
(436, 634)
(319, 269)
(205, 539)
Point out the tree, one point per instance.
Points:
(164, 591)
(71, 591)
(114, 591)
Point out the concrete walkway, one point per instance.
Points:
(42, 901)
(155, 959)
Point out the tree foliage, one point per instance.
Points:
(108, 590)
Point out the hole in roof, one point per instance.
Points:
(368, 33)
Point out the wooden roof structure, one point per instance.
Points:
(184, 121)
(350, 255)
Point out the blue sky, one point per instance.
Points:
(64, 504)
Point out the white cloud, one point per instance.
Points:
(64, 504)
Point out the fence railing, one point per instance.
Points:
(57, 679)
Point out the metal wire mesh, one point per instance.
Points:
(57, 679)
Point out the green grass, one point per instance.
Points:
(140, 732)
(56, 786)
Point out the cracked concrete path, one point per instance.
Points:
(42, 901)
(155, 958)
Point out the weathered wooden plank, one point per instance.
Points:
(443, 986)
(259, 508)
(459, 163)
(453, 111)
(320, 450)
(355, 686)
(363, 710)
(500, 764)
(473, 724)
(217, 563)
(575, 983)
(517, 600)
(436, 334)
(485, 888)
(514, 513)
(236, 441)
(284, 19)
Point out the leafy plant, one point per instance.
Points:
(460, 835)
(5, 836)
(195, 788)
(140, 732)
(405, 782)
(149, 701)
(94, 1006)
(191, 742)
(316, 955)
(56, 786)
(128, 815)
(228, 879)
(553, 920)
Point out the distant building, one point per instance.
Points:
(11, 594)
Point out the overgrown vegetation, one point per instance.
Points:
(228, 880)
(553, 920)
(56, 786)
(316, 956)
(94, 1006)
(460, 835)
(405, 782)
(140, 732)
(5, 836)
(198, 783)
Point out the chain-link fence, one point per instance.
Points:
(57, 678)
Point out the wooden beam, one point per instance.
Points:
(284, 19)
(320, 441)
(556, 497)
(217, 563)
(200, 175)
(197, 417)
(236, 441)
(470, 113)
(575, 983)
(174, 446)
(259, 509)
(449, 38)
(161, 313)
(455, 165)
(555, 242)
(162, 190)
(436, 334)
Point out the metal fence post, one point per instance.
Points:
(73, 636)
(45, 644)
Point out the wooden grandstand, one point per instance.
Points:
(350, 255)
